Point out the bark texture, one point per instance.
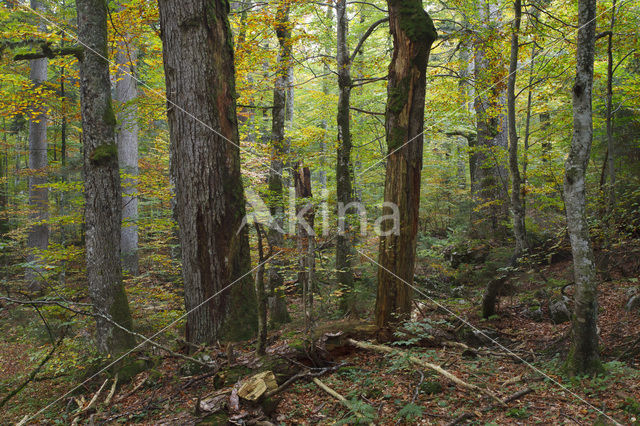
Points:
(517, 205)
(344, 249)
(280, 149)
(489, 177)
(584, 354)
(413, 34)
(126, 94)
(306, 240)
(205, 166)
(38, 236)
(102, 181)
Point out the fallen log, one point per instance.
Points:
(425, 364)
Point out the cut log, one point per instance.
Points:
(419, 362)
(255, 387)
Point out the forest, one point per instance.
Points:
(282, 212)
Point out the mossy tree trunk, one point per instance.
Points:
(4, 183)
(413, 34)
(126, 94)
(279, 151)
(344, 249)
(38, 236)
(102, 181)
(584, 353)
(517, 205)
(205, 165)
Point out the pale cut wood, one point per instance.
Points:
(256, 386)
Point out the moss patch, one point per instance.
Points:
(104, 154)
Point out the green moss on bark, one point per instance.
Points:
(104, 154)
(415, 22)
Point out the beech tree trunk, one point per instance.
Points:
(344, 249)
(611, 153)
(517, 205)
(38, 236)
(102, 181)
(126, 94)
(205, 166)
(4, 184)
(413, 34)
(584, 355)
(280, 149)
(489, 176)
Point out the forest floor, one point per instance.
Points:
(521, 354)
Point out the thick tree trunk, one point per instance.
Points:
(205, 165)
(344, 250)
(517, 205)
(102, 181)
(584, 355)
(413, 34)
(126, 95)
(280, 149)
(38, 236)
(489, 176)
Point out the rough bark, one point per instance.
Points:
(517, 205)
(127, 134)
(583, 355)
(205, 166)
(413, 34)
(102, 182)
(489, 177)
(280, 149)
(344, 249)
(4, 184)
(38, 236)
(261, 295)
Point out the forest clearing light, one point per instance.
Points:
(387, 219)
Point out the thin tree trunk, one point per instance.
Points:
(126, 95)
(4, 183)
(344, 250)
(306, 241)
(280, 149)
(205, 165)
(102, 182)
(517, 206)
(609, 117)
(38, 236)
(584, 354)
(261, 296)
(527, 132)
(413, 34)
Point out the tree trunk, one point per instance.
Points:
(261, 296)
(489, 176)
(126, 95)
(205, 166)
(4, 184)
(583, 355)
(344, 250)
(280, 149)
(517, 205)
(609, 117)
(102, 181)
(306, 240)
(38, 236)
(413, 34)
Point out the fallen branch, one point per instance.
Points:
(93, 401)
(468, 416)
(436, 368)
(135, 388)
(336, 395)
(112, 392)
